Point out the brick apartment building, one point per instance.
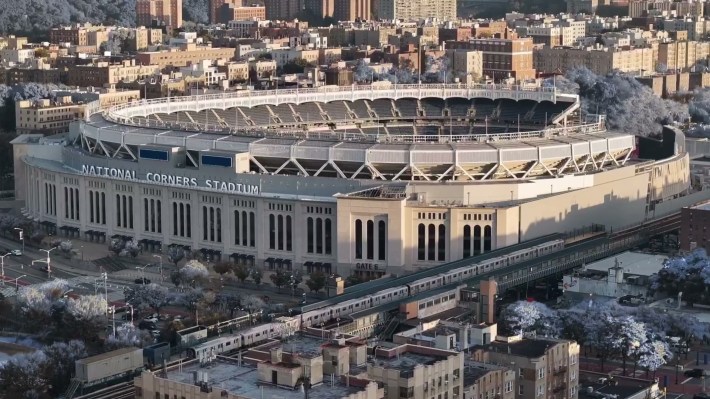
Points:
(167, 12)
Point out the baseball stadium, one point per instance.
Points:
(374, 180)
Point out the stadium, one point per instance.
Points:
(372, 180)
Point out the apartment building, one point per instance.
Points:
(319, 366)
(681, 55)
(230, 12)
(582, 6)
(143, 37)
(16, 56)
(283, 56)
(12, 76)
(600, 60)
(79, 35)
(694, 232)
(484, 380)
(164, 12)
(503, 58)
(46, 116)
(107, 97)
(417, 372)
(319, 8)
(105, 74)
(282, 9)
(639, 8)
(697, 28)
(214, 5)
(351, 10)
(235, 72)
(544, 367)
(179, 57)
(467, 65)
(407, 10)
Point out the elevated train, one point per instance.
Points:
(343, 309)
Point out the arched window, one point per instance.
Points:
(442, 242)
(182, 220)
(328, 237)
(237, 228)
(466, 241)
(487, 238)
(358, 239)
(280, 232)
(370, 239)
(289, 234)
(272, 232)
(204, 222)
(319, 235)
(431, 250)
(310, 234)
(477, 240)
(175, 218)
(381, 240)
(421, 242)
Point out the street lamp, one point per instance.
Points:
(16, 288)
(112, 311)
(130, 307)
(2, 266)
(142, 269)
(81, 248)
(161, 265)
(49, 268)
(22, 237)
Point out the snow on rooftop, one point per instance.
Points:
(244, 382)
(635, 263)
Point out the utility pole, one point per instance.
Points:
(2, 265)
(161, 265)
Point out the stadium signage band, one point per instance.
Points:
(171, 180)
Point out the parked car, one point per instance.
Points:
(16, 252)
(695, 373)
(147, 325)
(142, 281)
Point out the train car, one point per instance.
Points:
(109, 365)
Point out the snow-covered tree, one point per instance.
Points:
(127, 335)
(66, 248)
(59, 363)
(653, 354)
(39, 298)
(522, 317)
(23, 376)
(251, 303)
(116, 245)
(193, 270)
(133, 248)
(87, 307)
(175, 254)
(151, 296)
(631, 336)
(688, 274)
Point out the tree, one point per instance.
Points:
(523, 316)
(175, 254)
(222, 267)
(133, 248)
(251, 304)
(127, 335)
(632, 335)
(175, 278)
(280, 278)
(653, 354)
(256, 274)
(59, 363)
(193, 271)
(148, 296)
(296, 66)
(316, 281)
(116, 245)
(628, 105)
(241, 272)
(66, 248)
(23, 376)
(41, 52)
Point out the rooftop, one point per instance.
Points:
(472, 371)
(637, 263)
(244, 382)
(407, 361)
(530, 348)
(304, 344)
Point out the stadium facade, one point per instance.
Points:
(366, 179)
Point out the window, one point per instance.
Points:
(520, 388)
(572, 391)
(572, 375)
(540, 390)
(541, 373)
(358, 239)
(508, 386)
(421, 242)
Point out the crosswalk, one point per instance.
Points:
(74, 282)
